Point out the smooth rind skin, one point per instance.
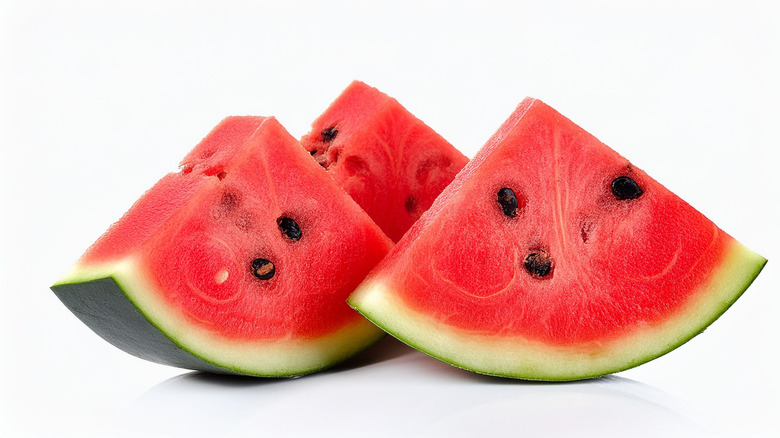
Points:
(102, 305)
(523, 359)
(117, 303)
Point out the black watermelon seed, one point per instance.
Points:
(289, 228)
(508, 201)
(538, 263)
(624, 187)
(313, 153)
(263, 269)
(329, 134)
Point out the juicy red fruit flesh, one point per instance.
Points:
(389, 162)
(248, 240)
(582, 259)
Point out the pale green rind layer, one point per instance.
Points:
(117, 302)
(520, 358)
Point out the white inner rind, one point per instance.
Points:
(263, 357)
(527, 359)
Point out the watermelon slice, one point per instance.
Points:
(551, 257)
(240, 263)
(389, 161)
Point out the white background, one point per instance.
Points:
(100, 99)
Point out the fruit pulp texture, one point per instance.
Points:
(615, 263)
(196, 235)
(391, 163)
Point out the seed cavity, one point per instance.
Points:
(221, 175)
(263, 269)
(586, 227)
(624, 187)
(228, 205)
(508, 201)
(229, 201)
(289, 228)
(329, 134)
(411, 204)
(335, 154)
(538, 263)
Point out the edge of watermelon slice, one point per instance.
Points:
(114, 289)
(524, 359)
(114, 300)
(380, 300)
(389, 161)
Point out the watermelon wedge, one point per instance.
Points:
(389, 161)
(239, 263)
(552, 257)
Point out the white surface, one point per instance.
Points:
(99, 99)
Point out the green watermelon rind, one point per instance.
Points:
(375, 300)
(146, 327)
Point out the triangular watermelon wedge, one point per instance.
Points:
(552, 257)
(390, 162)
(239, 263)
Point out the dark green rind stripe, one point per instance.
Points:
(685, 337)
(103, 306)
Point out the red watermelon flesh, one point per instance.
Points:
(587, 267)
(389, 161)
(239, 263)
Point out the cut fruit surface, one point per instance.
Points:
(389, 161)
(552, 257)
(240, 263)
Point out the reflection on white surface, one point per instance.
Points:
(393, 390)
